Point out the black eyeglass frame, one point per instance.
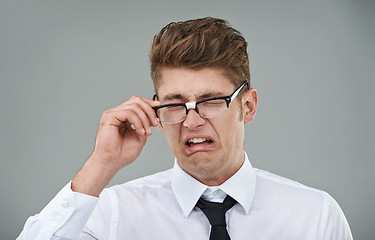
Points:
(194, 105)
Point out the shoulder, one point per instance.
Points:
(152, 183)
(280, 190)
(265, 178)
(146, 190)
(313, 211)
(131, 197)
(300, 204)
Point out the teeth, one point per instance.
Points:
(198, 140)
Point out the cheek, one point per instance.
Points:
(172, 135)
(232, 131)
(231, 135)
(233, 141)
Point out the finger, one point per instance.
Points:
(142, 116)
(136, 122)
(123, 118)
(151, 102)
(146, 106)
(136, 109)
(151, 112)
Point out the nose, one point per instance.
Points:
(193, 119)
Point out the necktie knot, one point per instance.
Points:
(215, 213)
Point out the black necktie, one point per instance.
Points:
(215, 213)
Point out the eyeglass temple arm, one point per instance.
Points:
(234, 95)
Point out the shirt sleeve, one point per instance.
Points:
(63, 218)
(334, 225)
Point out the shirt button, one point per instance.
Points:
(65, 204)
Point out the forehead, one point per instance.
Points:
(193, 84)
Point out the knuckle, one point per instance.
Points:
(105, 115)
(106, 112)
(134, 98)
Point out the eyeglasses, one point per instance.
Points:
(207, 108)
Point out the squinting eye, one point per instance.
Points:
(213, 103)
(173, 109)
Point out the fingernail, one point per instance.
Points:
(156, 121)
(143, 131)
(149, 130)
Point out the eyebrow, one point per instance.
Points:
(172, 96)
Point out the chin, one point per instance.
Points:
(199, 164)
(200, 158)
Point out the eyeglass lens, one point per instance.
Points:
(207, 109)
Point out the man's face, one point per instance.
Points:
(221, 153)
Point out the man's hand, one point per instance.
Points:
(118, 144)
(121, 136)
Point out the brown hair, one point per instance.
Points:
(205, 42)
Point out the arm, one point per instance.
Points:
(117, 145)
(334, 225)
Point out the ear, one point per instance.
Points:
(249, 103)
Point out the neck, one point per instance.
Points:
(219, 176)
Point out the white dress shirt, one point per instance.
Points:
(162, 206)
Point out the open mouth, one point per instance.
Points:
(195, 141)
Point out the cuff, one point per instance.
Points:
(66, 215)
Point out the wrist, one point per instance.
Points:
(93, 177)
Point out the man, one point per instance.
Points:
(203, 100)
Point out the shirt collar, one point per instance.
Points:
(241, 187)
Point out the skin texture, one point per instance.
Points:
(123, 131)
(117, 143)
(213, 163)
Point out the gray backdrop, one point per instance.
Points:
(62, 63)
